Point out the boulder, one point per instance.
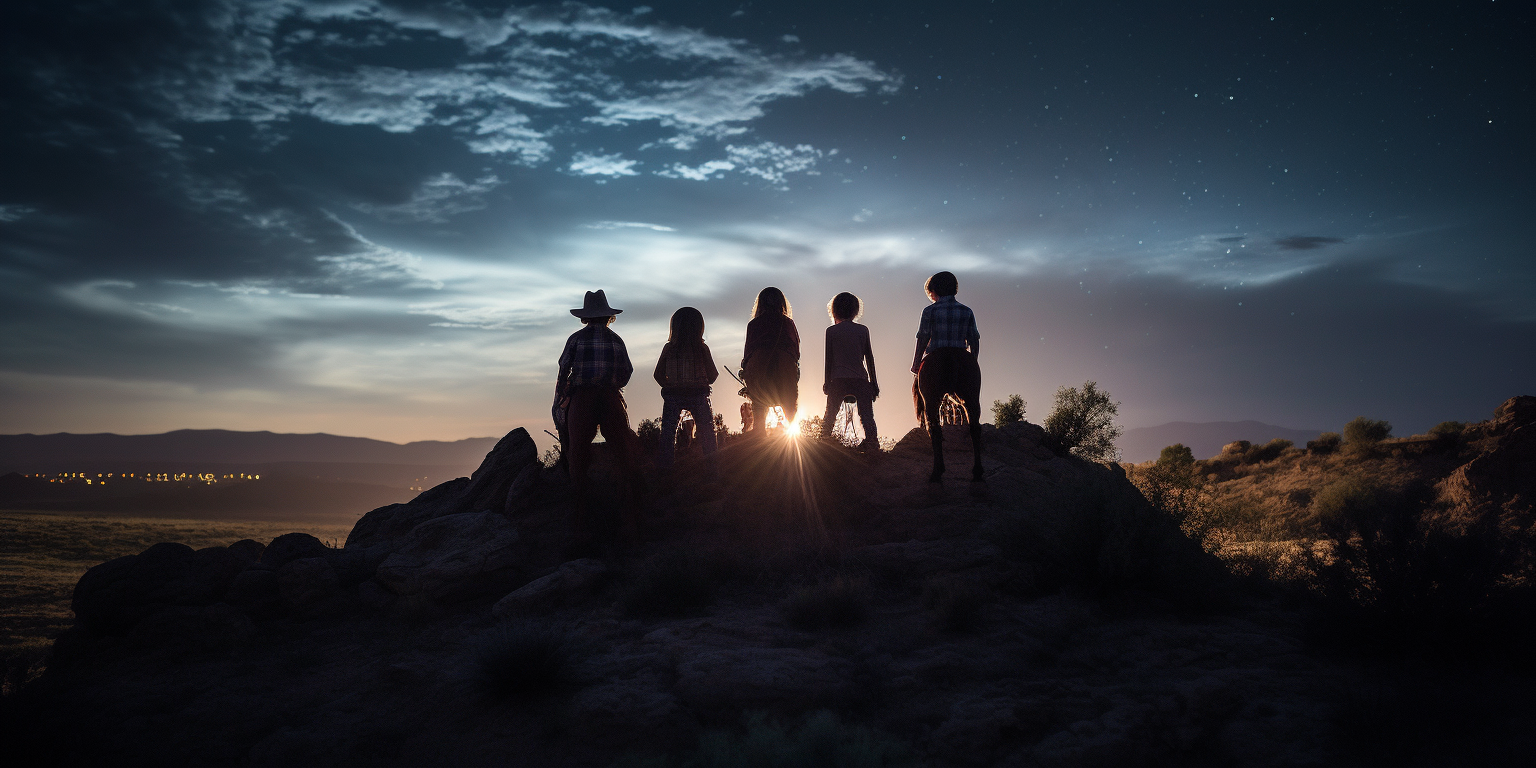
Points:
(505, 482)
(248, 550)
(115, 595)
(292, 546)
(254, 588)
(569, 582)
(310, 588)
(453, 558)
(192, 629)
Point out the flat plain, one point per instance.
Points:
(43, 554)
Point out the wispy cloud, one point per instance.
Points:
(589, 164)
(1305, 242)
(437, 199)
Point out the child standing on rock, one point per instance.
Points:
(594, 367)
(850, 368)
(685, 372)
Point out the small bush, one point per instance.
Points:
(523, 662)
(1007, 412)
(649, 432)
(1083, 422)
(1266, 452)
(1448, 429)
(820, 740)
(837, 602)
(1176, 456)
(1363, 434)
(672, 583)
(1236, 448)
(1326, 443)
(551, 457)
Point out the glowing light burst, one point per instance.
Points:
(775, 419)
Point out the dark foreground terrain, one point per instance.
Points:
(808, 606)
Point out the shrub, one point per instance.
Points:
(1362, 433)
(1398, 575)
(821, 739)
(523, 662)
(837, 602)
(1083, 422)
(721, 430)
(1176, 456)
(1326, 443)
(1266, 452)
(810, 426)
(671, 583)
(649, 432)
(1448, 428)
(1236, 448)
(551, 457)
(1007, 412)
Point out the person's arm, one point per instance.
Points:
(795, 336)
(566, 355)
(749, 344)
(974, 337)
(661, 365)
(826, 370)
(714, 370)
(917, 356)
(924, 333)
(869, 356)
(623, 369)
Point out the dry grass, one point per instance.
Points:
(42, 555)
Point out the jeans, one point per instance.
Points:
(863, 395)
(672, 407)
(593, 407)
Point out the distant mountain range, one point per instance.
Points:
(63, 452)
(1205, 439)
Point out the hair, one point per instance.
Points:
(845, 306)
(771, 300)
(942, 284)
(687, 327)
(605, 320)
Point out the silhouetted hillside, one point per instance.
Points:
(64, 452)
(1205, 439)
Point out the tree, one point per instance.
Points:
(1009, 412)
(1363, 433)
(1083, 422)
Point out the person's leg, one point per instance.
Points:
(829, 419)
(704, 417)
(866, 407)
(671, 409)
(759, 418)
(580, 429)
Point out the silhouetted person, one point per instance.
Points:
(770, 364)
(685, 372)
(850, 368)
(593, 368)
(946, 323)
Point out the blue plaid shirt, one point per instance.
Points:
(948, 323)
(596, 356)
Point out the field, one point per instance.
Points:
(42, 555)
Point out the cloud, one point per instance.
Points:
(1237, 239)
(629, 225)
(773, 162)
(587, 164)
(1305, 242)
(437, 199)
(15, 212)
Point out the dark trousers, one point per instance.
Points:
(672, 407)
(593, 408)
(864, 400)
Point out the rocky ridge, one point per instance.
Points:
(1048, 616)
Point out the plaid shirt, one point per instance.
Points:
(686, 366)
(948, 323)
(594, 356)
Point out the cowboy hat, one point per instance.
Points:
(595, 305)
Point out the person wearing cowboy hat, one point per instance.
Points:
(594, 367)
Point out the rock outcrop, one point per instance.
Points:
(1048, 616)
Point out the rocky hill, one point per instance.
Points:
(803, 605)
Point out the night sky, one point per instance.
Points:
(371, 218)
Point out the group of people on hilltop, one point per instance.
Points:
(595, 366)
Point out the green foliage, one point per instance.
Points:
(721, 430)
(810, 426)
(1008, 412)
(821, 739)
(1448, 429)
(1266, 452)
(1176, 456)
(837, 602)
(671, 583)
(1398, 575)
(523, 662)
(1326, 443)
(1083, 422)
(1362, 433)
(649, 432)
